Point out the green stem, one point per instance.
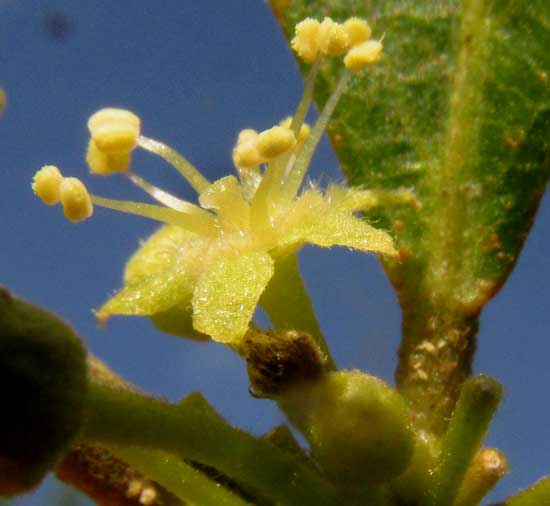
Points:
(537, 495)
(288, 305)
(179, 478)
(435, 358)
(475, 408)
(128, 418)
(440, 312)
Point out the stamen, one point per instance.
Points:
(297, 173)
(263, 197)
(305, 102)
(164, 197)
(250, 179)
(197, 181)
(272, 182)
(203, 225)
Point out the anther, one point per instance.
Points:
(104, 163)
(306, 40)
(333, 38)
(363, 55)
(75, 199)
(275, 141)
(358, 31)
(46, 183)
(114, 130)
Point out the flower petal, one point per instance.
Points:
(327, 220)
(156, 253)
(344, 229)
(227, 294)
(158, 276)
(152, 294)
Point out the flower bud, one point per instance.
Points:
(359, 429)
(43, 382)
(280, 361)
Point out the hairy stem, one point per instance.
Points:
(435, 358)
(440, 319)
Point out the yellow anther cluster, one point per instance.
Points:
(52, 188)
(114, 135)
(333, 38)
(254, 148)
(363, 55)
(314, 39)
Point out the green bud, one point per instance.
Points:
(278, 362)
(43, 382)
(359, 429)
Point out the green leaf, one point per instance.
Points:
(458, 110)
(536, 495)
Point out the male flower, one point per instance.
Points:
(204, 272)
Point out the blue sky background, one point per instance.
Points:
(197, 73)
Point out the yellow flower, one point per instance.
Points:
(203, 273)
